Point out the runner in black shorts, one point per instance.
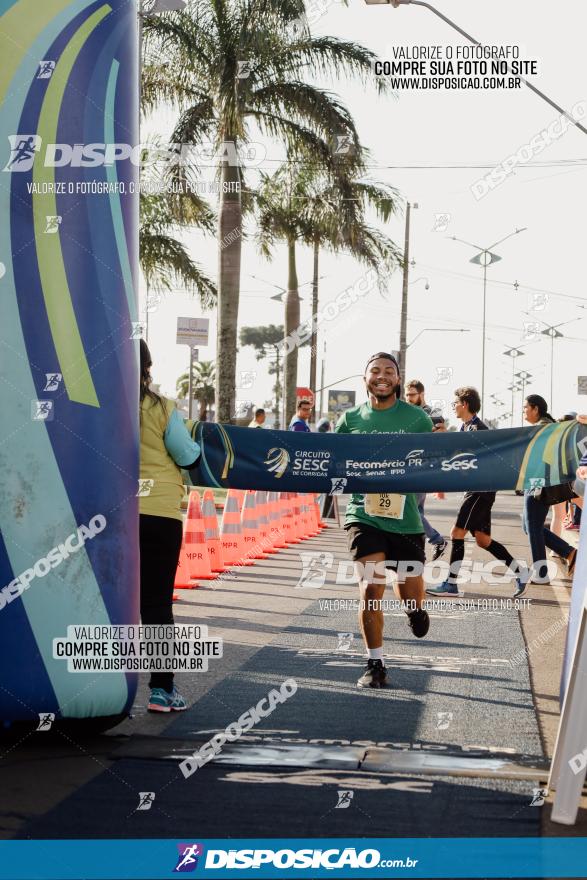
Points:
(475, 513)
(385, 529)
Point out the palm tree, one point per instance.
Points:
(320, 211)
(164, 260)
(236, 68)
(203, 378)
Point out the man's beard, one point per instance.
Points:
(383, 395)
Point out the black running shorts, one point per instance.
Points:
(475, 512)
(364, 540)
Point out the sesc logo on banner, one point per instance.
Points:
(465, 461)
(277, 461)
(310, 463)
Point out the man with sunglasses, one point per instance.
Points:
(474, 515)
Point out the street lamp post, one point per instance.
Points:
(513, 353)
(404, 311)
(431, 330)
(515, 386)
(321, 381)
(275, 351)
(524, 377)
(554, 334)
(397, 3)
(496, 403)
(437, 330)
(485, 258)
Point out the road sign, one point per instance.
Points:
(305, 394)
(192, 331)
(581, 384)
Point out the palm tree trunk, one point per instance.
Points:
(292, 321)
(203, 415)
(229, 267)
(277, 389)
(314, 340)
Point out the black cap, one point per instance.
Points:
(383, 354)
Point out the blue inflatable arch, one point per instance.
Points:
(68, 360)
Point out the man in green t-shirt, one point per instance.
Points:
(384, 528)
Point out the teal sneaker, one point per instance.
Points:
(178, 704)
(163, 701)
(159, 701)
(444, 589)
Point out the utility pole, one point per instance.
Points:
(191, 382)
(554, 334)
(322, 381)
(193, 358)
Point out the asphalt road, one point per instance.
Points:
(456, 746)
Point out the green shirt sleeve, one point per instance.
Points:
(341, 426)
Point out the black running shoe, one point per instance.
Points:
(374, 676)
(439, 550)
(419, 622)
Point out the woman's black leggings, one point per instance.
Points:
(160, 543)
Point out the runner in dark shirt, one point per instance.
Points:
(474, 515)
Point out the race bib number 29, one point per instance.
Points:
(385, 504)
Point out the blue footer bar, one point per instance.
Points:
(505, 857)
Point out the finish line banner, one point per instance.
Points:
(293, 857)
(287, 461)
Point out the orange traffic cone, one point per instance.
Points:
(183, 579)
(299, 524)
(263, 512)
(239, 494)
(211, 531)
(276, 521)
(292, 533)
(252, 546)
(310, 518)
(195, 540)
(310, 499)
(231, 530)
